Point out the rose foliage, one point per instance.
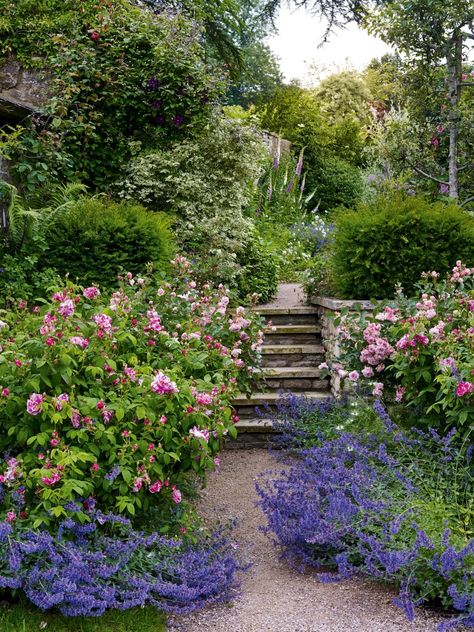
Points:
(418, 353)
(111, 401)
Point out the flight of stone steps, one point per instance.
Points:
(291, 355)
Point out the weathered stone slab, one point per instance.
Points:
(22, 91)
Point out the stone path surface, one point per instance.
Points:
(276, 598)
(288, 295)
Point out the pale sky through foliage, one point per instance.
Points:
(296, 45)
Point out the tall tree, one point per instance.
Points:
(434, 35)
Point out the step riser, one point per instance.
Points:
(248, 412)
(296, 384)
(292, 360)
(292, 339)
(292, 319)
(248, 440)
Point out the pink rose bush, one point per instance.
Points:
(112, 400)
(418, 352)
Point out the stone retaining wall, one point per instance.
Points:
(328, 308)
(22, 91)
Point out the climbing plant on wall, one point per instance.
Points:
(121, 77)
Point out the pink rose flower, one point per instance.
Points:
(155, 487)
(163, 385)
(203, 399)
(66, 308)
(103, 321)
(91, 293)
(34, 405)
(79, 341)
(464, 388)
(61, 400)
(378, 389)
(176, 495)
(400, 393)
(353, 376)
(200, 434)
(137, 485)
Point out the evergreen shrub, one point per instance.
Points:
(335, 182)
(259, 271)
(393, 239)
(97, 238)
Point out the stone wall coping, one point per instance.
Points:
(337, 304)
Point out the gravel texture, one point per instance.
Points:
(275, 597)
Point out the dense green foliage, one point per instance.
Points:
(335, 183)
(97, 239)
(393, 240)
(118, 73)
(259, 274)
(333, 136)
(260, 78)
(205, 182)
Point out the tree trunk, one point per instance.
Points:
(454, 59)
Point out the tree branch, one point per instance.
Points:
(467, 200)
(428, 175)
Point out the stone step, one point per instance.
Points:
(270, 398)
(246, 406)
(297, 385)
(291, 372)
(292, 330)
(305, 378)
(296, 349)
(292, 356)
(292, 319)
(255, 424)
(293, 335)
(289, 316)
(279, 311)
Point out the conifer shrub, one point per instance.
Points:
(97, 238)
(259, 271)
(393, 239)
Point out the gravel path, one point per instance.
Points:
(274, 597)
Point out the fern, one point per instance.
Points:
(23, 222)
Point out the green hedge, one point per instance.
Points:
(393, 240)
(98, 238)
(259, 273)
(335, 183)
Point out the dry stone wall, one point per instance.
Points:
(328, 308)
(22, 91)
